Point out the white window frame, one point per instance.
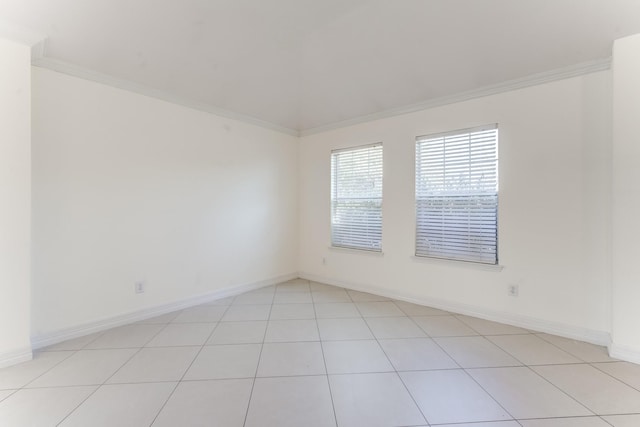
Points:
(459, 224)
(359, 227)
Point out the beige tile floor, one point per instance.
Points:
(307, 354)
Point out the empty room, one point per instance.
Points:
(320, 213)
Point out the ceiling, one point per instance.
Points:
(305, 64)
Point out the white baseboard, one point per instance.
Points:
(569, 331)
(14, 357)
(624, 353)
(58, 336)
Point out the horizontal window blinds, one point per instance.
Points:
(356, 198)
(457, 195)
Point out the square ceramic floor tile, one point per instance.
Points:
(207, 403)
(596, 390)
(292, 331)
(293, 298)
(488, 424)
(182, 334)
(225, 361)
(73, 344)
(566, 422)
(624, 420)
(18, 376)
(293, 287)
(394, 327)
(247, 312)
(121, 405)
(160, 320)
(476, 352)
(628, 373)
(524, 394)
(316, 286)
(452, 397)
(254, 299)
(42, 406)
(379, 309)
(130, 336)
(582, 350)
(373, 400)
(487, 327)
(264, 290)
(297, 280)
(86, 367)
(416, 354)
(238, 332)
(201, 314)
(344, 329)
(320, 297)
(156, 365)
(419, 310)
(365, 297)
(292, 311)
(6, 393)
(300, 401)
(443, 326)
(350, 357)
(289, 359)
(531, 350)
(336, 310)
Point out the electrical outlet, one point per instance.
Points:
(138, 287)
(513, 290)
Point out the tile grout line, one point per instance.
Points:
(537, 334)
(110, 376)
(192, 361)
(461, 368)
(529, 367)
(546, 380)
(488, 338)
(12, 392)
(324, 360)
(25, 386)
(73, 352)
(255, 376)
(395, 370)
(611, 376)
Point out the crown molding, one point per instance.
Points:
(39, 60)
(510, 85)
(24, 36)
(105, 79)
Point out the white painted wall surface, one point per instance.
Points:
(129, 188)
(15, 202)
(626, 199)
(554, 209)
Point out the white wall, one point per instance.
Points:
(15, 202)
(554, 216)
(626, 199)
(129, 188)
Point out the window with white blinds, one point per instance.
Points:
(356, 198)
(457, 195)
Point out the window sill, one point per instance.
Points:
(456, 263)
(356, 251)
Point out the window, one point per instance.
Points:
(356, 198)
(457, 195)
